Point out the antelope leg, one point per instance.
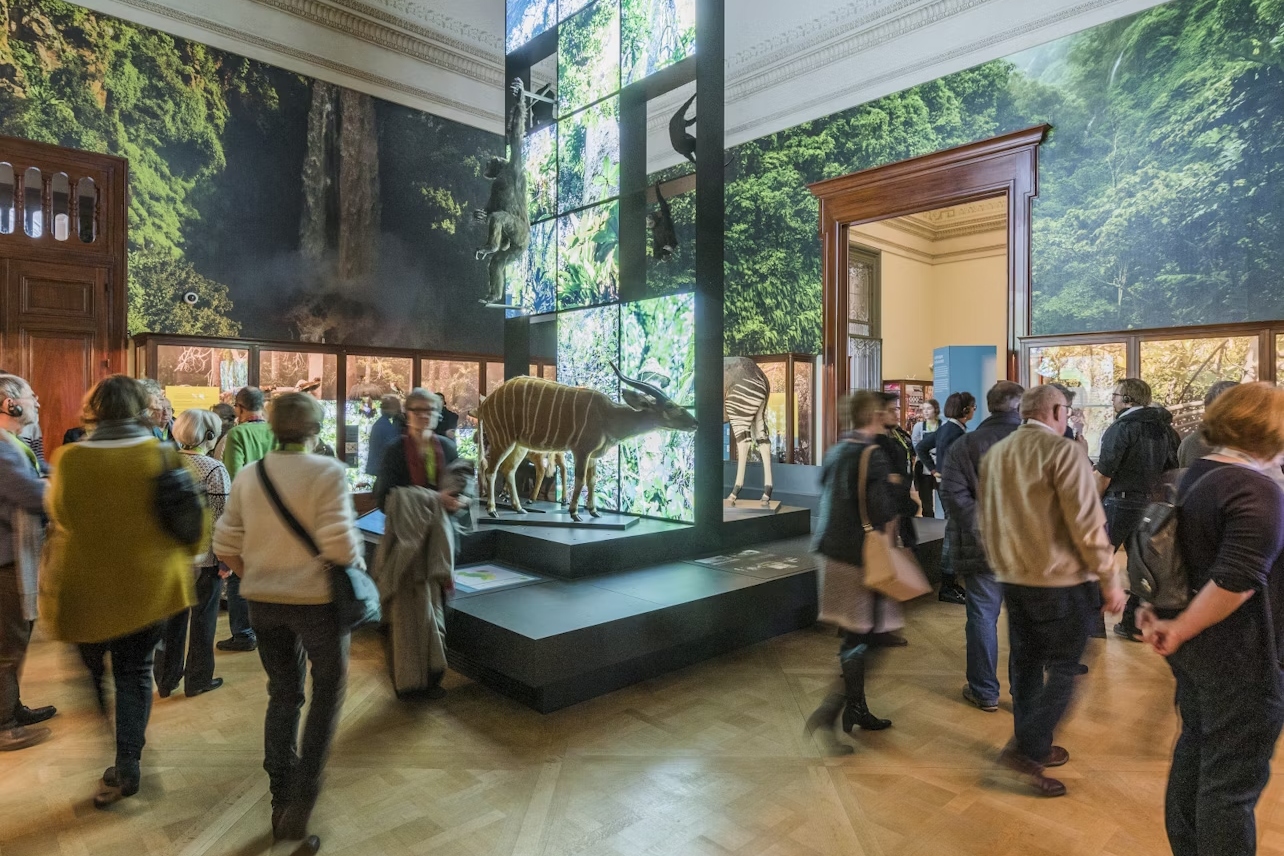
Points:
(514, 498)
(592, 488)
(492, 472)
(742, 460)
(580, 472)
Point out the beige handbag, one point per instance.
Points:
(890, 568)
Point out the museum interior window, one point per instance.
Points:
(200, 372)
(1179, 363)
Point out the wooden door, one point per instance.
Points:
(62, 274)
(60, 321)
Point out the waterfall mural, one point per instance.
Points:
(296, 209)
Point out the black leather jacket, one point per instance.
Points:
(1137, 449)
(959, 477)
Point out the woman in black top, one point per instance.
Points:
(862, 615)
(1222, 646)
(960, 407)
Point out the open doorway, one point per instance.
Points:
(887, 205)
(920, 282)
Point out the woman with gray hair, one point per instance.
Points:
(292, 611)
(422, 456)
(196, 432)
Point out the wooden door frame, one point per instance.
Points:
(1006, 165)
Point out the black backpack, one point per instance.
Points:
(1156, 572)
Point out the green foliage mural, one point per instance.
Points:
(218, 190)
(588, 56)
(588, 263)
(1157, 198)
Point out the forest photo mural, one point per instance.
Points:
(294, 208)
(1159, 199)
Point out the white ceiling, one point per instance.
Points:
(787, 62)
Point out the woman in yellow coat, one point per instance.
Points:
(111, 574)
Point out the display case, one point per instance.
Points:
(1179, 363)
(911, 393)
(200, 372)
(791, 411)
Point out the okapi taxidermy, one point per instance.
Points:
(532, 414)
(745, 391)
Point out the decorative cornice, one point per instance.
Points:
(420, 43)
(443, 23)
(234, 34)
(858, 42)
(914, 225)
(898, 248)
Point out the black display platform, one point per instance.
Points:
(553, 643)
(589, 551)
(551, 514)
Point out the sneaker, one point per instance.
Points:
(238, 643)
(970, 698)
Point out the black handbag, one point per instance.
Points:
(180, 500)
(354, 594)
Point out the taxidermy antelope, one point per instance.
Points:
(745, 391)
(533, 414)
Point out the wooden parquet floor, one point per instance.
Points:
(708, 761)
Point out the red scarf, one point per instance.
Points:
(415, 461)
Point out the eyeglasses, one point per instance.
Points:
(422, 411)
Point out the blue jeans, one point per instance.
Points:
(238, 611)
(984, 597)
(1047, 632)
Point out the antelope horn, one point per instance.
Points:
(637, 384)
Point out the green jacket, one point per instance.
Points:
(247, 443)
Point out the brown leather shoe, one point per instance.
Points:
(1031, 772)
(1056, 757)
(21, 736)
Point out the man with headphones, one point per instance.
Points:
(22, 492)
(1136, 450)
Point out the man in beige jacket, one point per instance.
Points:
(1043, 529)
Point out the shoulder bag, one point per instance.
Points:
(890, 568)
(355, 596)
(180, 499)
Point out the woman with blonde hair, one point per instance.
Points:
(291, 603)
(196, 432)
(112, 572)
(860, 614)
(1223, 646)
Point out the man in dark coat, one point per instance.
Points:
(959, 496)
(1136, 450)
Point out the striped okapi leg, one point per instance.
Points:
(742, 460)
(764, 450)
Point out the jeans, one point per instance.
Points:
(131, 671)
(1123, 516)
(984, 598)
(1048, 630)
(238, 610)
(288, 633)
(1222, 759)
(197, 668)
(15, 634)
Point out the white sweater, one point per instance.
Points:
(278, 566)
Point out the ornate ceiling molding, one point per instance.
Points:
(440, 23)
(379, 27)
(428, 97)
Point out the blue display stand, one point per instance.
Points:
(965, 368)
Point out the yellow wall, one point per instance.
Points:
(937, 293)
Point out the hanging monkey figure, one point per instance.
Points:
(664, 237)
(683, 142)
(507, 219)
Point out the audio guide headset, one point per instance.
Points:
(14, 410)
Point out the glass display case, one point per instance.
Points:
(912, 392)
(200, 371)
(1179, 363)
(791, 408)
(1091, 372)
(196, 376)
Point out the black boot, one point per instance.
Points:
(856, 712)
(823, 719)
